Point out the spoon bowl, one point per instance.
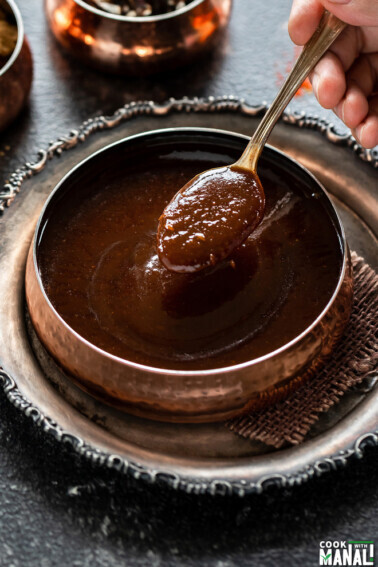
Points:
(228, 205)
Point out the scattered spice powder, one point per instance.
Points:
(305, 87)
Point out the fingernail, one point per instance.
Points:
(359, 132)
(343, 111)
(315, 84)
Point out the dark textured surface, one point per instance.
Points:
(56, 509)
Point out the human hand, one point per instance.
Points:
(346, 78)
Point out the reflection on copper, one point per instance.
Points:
(205, 26)
(144, 50)
(137, 45)
(62, 18)
(88, 39)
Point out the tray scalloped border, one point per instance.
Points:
(198, 105)
(137, 471)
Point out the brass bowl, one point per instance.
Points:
(16, 74)
(137, 45)
(187, 395)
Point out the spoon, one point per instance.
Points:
(218, 209)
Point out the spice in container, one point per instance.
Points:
(138, 8)
(8, 38)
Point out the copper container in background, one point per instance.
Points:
(188, 395)
(137, 45)
(16, 74)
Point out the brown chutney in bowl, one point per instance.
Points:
(217, 341)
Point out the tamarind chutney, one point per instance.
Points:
(99, 266)
(209, 217)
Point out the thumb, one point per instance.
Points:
(354, 12)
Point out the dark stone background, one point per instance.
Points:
(55, 508)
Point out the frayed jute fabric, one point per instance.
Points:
(354, 358)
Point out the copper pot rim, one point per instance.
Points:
(139, 19)
(211, 371)
(20, 37)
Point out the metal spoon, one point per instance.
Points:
(218, 209)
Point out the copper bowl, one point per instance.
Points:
(137, 45)
(16, 74)
(187, 395)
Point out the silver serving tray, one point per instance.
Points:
(196, 458)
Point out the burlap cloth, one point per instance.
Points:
(355, 356)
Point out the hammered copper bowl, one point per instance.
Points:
(137, 45)
(16, 74)
(185, 395)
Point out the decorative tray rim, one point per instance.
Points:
(185, 104)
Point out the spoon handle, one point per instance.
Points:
(328, 30)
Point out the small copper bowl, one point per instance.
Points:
(137, 45)
(16, 74)
(186, 395)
